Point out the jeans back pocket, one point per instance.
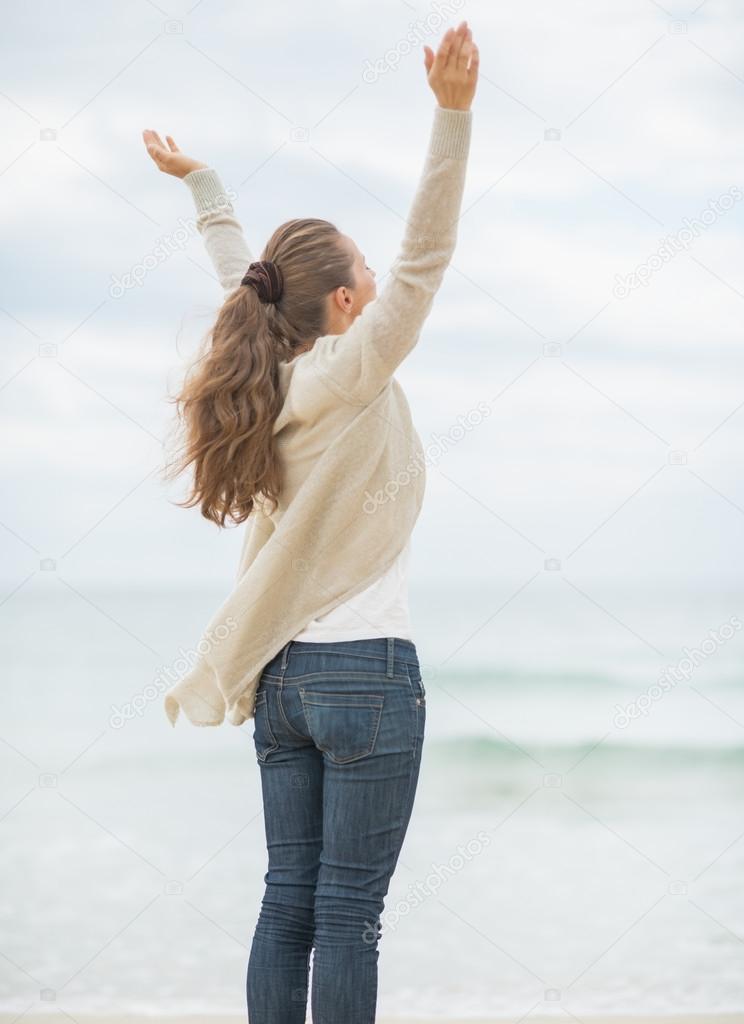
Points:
(344, 725)
(263, 737)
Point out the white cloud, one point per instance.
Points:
(540, 250)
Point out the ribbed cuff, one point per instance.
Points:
(450, 133)
(208, 191)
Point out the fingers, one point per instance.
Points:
(453, 71)
(474, 61)
(449, 48)
(155, 148)
(443, 52)
(465, 51)
(150, 141)
(171, 144)
(460, 38)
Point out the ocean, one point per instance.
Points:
(577, 843)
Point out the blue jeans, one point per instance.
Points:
(338, 732)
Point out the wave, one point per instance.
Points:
(524, 679)
(485, 748)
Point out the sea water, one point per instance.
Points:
(577, 842)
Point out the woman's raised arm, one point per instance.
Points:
(222, 233)
(357, 364)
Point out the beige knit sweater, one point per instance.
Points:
(353, 464)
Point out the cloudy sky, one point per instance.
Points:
(615, 423)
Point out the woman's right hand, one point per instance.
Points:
(453, 71)
(170, 159)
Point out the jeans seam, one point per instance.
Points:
(270, 731)
(324, 674)
(280, 694)
(417, 689)
(364, 655)
(332, 647)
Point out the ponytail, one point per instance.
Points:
(231, 397)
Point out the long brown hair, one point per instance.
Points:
(231, 397)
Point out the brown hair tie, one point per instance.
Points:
(266, 278)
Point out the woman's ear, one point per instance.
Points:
(343, 298)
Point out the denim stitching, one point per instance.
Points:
(355, 757)
(269, 750)
(282, 712)
(280, 691)
(319, 648)
(327, 673)
(318, 699)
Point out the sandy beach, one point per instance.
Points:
(707, 1018)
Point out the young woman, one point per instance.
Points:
(294, 422)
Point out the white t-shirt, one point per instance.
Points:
(381, 609)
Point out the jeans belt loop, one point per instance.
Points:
(390, 656)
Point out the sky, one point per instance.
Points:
(612, 380)
(580, 395)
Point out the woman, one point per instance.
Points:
(294, 421)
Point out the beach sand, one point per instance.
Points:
(709, 1018)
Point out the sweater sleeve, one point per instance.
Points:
(223, 236)
(358, 364)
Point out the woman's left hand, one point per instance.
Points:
(169, 159)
